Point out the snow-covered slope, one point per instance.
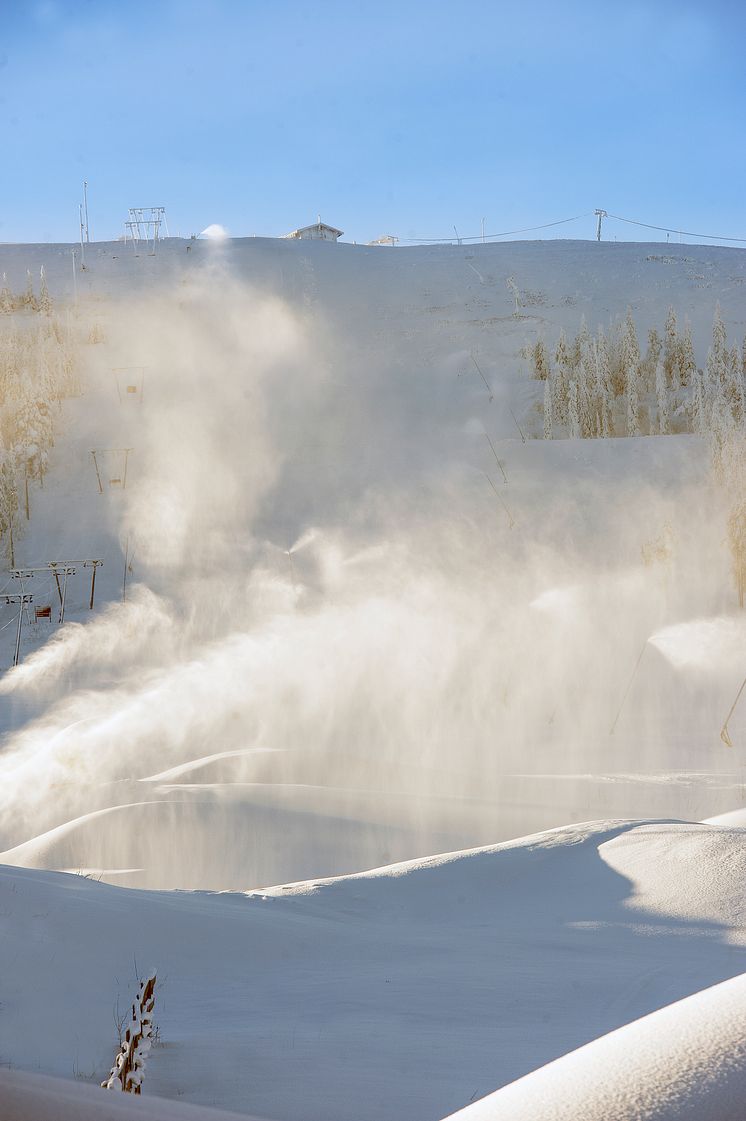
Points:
(337, 546)
(686, 1061)
(402, 993)
(36, 1097)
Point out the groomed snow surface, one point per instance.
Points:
(403, 993)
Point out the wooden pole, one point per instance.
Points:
(98, 476)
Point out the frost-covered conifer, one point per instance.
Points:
(687, 366)
(719, 339)
(582, 343)
(547, 409)
(630, 345)
(45, 302)
(653, 353)
(540, 361)
(8, 503)
(573, 413)
(6, 297)
(561, 381)
(586, 394)
(29, 299)
(633, 402)
(699, 420)
(661, 393)
(670, 347)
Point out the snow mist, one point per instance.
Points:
(364, 619)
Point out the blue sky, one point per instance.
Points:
(403, 118)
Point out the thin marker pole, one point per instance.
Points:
(629, 686)
(724, 733)
(124, 578)
(484, 379)
(497, 461)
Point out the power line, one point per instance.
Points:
(669, 230)
(505, 233)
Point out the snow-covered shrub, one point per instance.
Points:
(129, 1065)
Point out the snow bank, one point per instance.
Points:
(35, 1097)
(452, 974)
(686, 1062)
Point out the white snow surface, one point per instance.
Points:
(36, 1097)
(686, 1062)
(452, 975)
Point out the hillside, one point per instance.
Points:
(363, 614)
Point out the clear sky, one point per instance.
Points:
(393, 116)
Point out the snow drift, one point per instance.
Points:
(685, 1062)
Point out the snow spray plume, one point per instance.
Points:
(327, 571)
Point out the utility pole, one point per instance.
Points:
(82, 245)
(85, 205)
(458, 239)
(22, 599)
(483, 221)
(75, 280)
(93, 565)
(66, 571)
(600, 214)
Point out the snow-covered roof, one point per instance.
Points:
(318, 226)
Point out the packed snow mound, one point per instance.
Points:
(453, 974)
(35, 1097)
(686, 1062)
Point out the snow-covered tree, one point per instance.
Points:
(6, 297)
(561, 381)
(547, 409)
(45, 302)
(661, 393)
(573, 421)
(687, 366)
(633, 402)
(8, 505)
(670, 347)
(653, 353)
(29, 299)
(540, 360)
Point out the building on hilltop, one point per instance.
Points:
(318, 232)
(387, 239)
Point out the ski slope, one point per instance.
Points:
(354, 611)
(394, 626)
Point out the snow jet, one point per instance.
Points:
(323, 569)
